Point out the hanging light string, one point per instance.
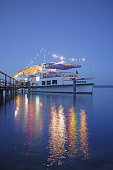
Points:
(70, 59)
(32, 61)
(61, 58)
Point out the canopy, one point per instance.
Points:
(62, 66)
(29, 71)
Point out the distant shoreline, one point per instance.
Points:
(103, 86)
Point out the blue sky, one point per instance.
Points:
(72, 28)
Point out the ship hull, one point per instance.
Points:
(80, 88)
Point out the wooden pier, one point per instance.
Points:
(8, 85)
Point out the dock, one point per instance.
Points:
(8, 85)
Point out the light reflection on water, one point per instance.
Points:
(50, 128)
(57, 138)
(72, 133)
(84, 134)
(52, 131)
(67, 141)
(67, 128)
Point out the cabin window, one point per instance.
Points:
(48, 82)
(43, 83)
(54, 81)
(38, 78)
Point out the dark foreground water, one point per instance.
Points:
(57, 131)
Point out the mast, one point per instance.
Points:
(44, 54)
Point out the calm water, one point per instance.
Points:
(51, 131)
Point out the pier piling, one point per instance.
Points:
(1, 94)
(74, 85)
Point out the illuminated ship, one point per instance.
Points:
(53, 78)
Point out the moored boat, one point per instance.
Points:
(53, 78)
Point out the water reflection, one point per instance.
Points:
(68, 135)
(28, 117)
(38, 114)
(60, 123)
(84, 134)
(40, 130)
(31, 118)
(17, 104)
(72, 133)
(57, 131)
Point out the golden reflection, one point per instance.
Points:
(84, 134)
(57, 132)
(26, 102)
(26, 107)
(67, 141)
(38, 114)
(17, 103)
(16, 111)
(72, 133)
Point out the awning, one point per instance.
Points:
(62, 66)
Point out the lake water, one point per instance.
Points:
(57, 131)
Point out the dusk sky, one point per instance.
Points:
(72, 28)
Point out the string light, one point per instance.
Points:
(44, 51)
(62, 58)
(55, 56)
(72, 59)
(83, 59)
(78, 59)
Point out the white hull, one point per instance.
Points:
(47, 78)
(80, 88)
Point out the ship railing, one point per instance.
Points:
(58, 75)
